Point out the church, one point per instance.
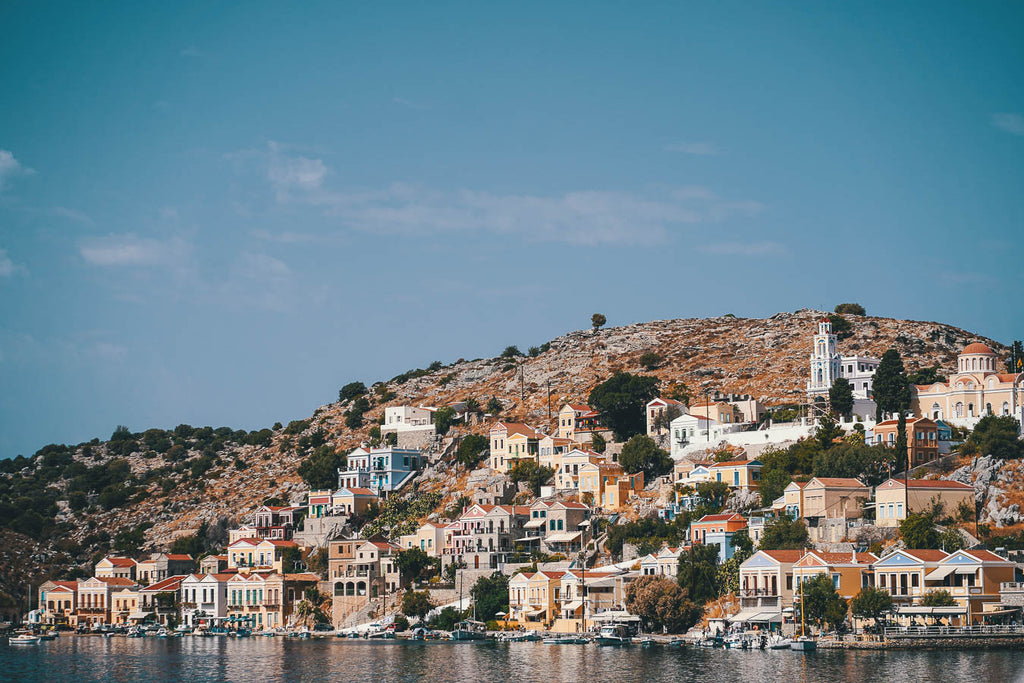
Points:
(976, 389)
(827, 365)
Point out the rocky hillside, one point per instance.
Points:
(69, 503)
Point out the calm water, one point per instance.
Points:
(82, 659)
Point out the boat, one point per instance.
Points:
(777, 642)
(182, 629)
(469, 630)
(739, 641)
(613, 634)
(804, 644)
(519, 636)
(162, 633)
(24, 639)
(645, 641)
(565, 640)
(48, 635)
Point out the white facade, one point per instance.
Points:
(408, 419)
(203, 596)
(827, 365)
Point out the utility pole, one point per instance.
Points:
(549, 403)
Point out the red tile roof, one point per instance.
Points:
(182, 557)
(720, 518)
(977, 347)
(788, 556)
(844, 558)
(116, 581)
(933, 484)
(986, 556)
(121, 561)
(168, 584)
(927, 555)
(732, 463)
(281, 544)
(841, 482)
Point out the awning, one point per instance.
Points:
(934, 611)
(1000, 612)
(767, 618)
(566, 537)
(572, 606)
(140, 615)
(585, 522)
(534, 523)
(940, 573)
(965, 570)
(741, 617)
(534, 612)
(602, 582)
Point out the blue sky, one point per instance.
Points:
(218, 214)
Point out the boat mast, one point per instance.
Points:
(803, 616)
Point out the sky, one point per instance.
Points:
(220, 213)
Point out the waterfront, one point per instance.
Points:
(83, 659)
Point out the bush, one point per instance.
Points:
(651, 360)
(622, 400)
(641, 454)
(471, 449)
(511, 352)
(851, 309)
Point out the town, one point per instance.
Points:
(698, 517)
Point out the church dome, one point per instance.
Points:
(977, 347)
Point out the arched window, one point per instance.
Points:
(970, 410)
(936, 411)
(1006, 408)
(958, 409)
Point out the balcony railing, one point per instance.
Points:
(1011, 586)
(759, 592)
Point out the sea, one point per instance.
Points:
(79, 659)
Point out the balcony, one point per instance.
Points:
(758, 592)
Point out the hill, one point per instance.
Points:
(66, 505)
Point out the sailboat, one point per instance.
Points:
(804, 643)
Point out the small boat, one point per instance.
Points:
(520, 636)
(777, 642)
(645, 641)
(162, 633)
(469, 630)
(565, 640)
(804, 644)
(48, 635)
(24, 639)
(182, 629)
(677, 642)
(613, 634)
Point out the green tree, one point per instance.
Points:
(851, 309)
(661, 604)
(784, 533)
(996, 436)
(621, 400)
(827, 432)
(870, 464)
(490, 595)
(926, 376)
(446, 619)
(773, 484)
(890, 387)
(821, 602)
(471, 449)
(951, 540)
(511, 352)
(533, 474)
(412, 565)
(841, 327)
(444, 418)
(320, 469)
(840, 397)
(597, 321)
(351, 391)
(641, 454)
(494, 406)
(650, 360)
(918, 531)
(938, 598)
(417, 604)
(871, 603)
(698, 572)
(598, 444)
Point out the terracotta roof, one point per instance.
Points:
(302, 576)
(910, 421)
(986, 556)
(66, 585)
(170, 583)
(281, 544)
(580, 408)
(516, 428)
(844, 558)
(116, 581)
(121, 561)
(732, 463)
(784, 555)
(359, 491)
(575, 505)
(720, 518)
(977, 347)
(247, 541)
(553, 574)
(933, 484)
(927, 555)
(181, 557)
(841, 482)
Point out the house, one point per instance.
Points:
(720, 523)
(204, 598)
(559, 527)
(738, 474)
(894, 497)
(689, 429)
(827, 365)
(535, 598)
(719, 412)
(791, 502)
(408, 419)
(57, 600)
(213, 564)
(902, 573)
(355, 580)
(160, 566)
(160, 600)
(244, 531)
(849, 572)
(660, 412)
(266, 600)
(429, 538)
(747, 409)
(608, 485)
(502, 455)
(567, 467)
(665, 562)
(551, 446)
(381, 470)
(922, 438)
(352, 501)
(95, 598)
(115, 567)
(829, 503)
(766, 586)
(579, 423)
(485, 535)
(976, 389)
(124, 605)
(277, 522)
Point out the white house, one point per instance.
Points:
(204, 597)
(408, 419)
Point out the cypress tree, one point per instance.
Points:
(891, 388)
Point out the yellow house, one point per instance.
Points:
(609, 485)
(568, 465)
(849, 571)
(123, 603)
(511, 441)
(893, 498)
(535, 598)
(738, 474)
(429, 538)
(721, 412)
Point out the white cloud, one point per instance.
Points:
(262, 267)
(1011, 123)
(130, 250)
(10, 167)
(293, 173)
(7, 266)
(695, 148)
(70, 214)
(745, 249)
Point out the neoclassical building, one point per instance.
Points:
(827, 365)
(976, 389)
